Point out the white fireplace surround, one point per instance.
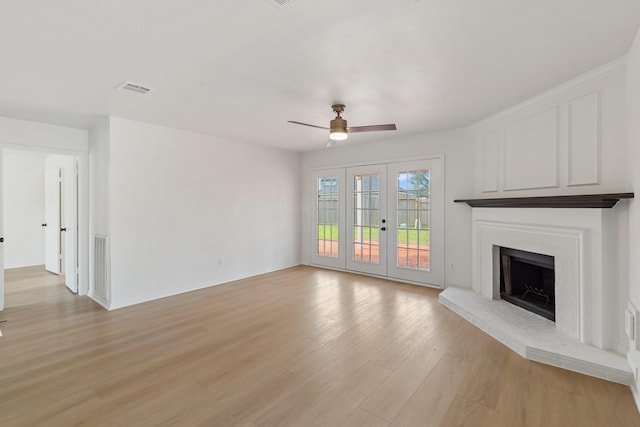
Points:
(588, 301)
(567, 248)
(578, 239)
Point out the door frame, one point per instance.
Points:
(82, 174)
(310, 203)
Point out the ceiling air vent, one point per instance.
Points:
(133, 87)
(278, 3)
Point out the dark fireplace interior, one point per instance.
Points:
(528, 280)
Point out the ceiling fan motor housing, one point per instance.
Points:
(338, 125)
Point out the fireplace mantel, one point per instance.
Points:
(576, 201)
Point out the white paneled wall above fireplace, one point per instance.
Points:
(569, 140)
(530, 151)
(583, 121)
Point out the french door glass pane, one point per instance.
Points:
(413, 217)
(327, 205)
(366, 195)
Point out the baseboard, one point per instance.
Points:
(636, 395)
(99, 300)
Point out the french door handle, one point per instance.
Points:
(383, 228)
(63, 229)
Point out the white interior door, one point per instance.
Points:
(366, 219)
(69, 203)
(416, 221)
(328, 219)
(52, 208)
(1, 238)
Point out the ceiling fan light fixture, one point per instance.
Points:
(338, 134)
(338, 129)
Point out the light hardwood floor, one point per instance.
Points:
(299, 347)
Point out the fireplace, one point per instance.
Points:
(583, 239)
(527, 280)
(581, 242)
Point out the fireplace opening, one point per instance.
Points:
(528, 280)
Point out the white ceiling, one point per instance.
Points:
(242, 68)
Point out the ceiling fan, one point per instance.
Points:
(338, 129)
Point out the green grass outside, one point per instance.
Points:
(412, 234)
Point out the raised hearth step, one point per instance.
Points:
(534, 337)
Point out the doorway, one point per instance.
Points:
(40, 213)
(382, 219)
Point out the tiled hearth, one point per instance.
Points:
(588, 333)
(535, 337)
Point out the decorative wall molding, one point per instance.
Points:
(489, 146)
(584, 140)
(531, 152)
(564, 139)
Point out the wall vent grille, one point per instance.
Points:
(100, 272)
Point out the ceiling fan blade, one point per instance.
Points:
(371, 128)
(307, 124)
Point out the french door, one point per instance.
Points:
(416, 221)
(329, 218)
(385, 220)
(366, 234)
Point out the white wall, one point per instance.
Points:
(456, 145)
(22, 134)
(569, 140)
(99, 207)
(23, 202)
(180, 200)
(633, 156)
